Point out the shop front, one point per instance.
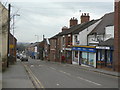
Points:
(85, 55)
(68, 55)
(104, 57)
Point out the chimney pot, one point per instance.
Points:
(73, 21)
(85, 17)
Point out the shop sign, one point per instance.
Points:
(11, 46)
(84, 49)
(98, 47)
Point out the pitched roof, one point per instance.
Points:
(107, 20)
(109, 42)
(84, 26)
(76, 28)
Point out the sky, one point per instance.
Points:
(49, 16)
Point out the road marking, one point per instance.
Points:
(57, 84)
(31, 65)
(36, 79)
(38, 83)
(40, 65)
(65, 72)
(52, 68)
(89, 81)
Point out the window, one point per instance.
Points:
(76, 38)
(63, 41)
(91, 59)
(69, 41)
(84, 58)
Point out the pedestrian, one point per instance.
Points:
(63, 58)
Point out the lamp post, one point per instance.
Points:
(37, 38)
(13, 42)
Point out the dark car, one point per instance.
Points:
(24, 58)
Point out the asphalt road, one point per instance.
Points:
(55, 75)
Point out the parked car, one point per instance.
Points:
(18, 56)
(24, 58)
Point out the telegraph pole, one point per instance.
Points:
(9, 10)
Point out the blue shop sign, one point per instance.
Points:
(84, 49)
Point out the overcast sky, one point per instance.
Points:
(38, 18)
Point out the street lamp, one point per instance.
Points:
(14, 29)
(37, 38)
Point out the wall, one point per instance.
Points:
(83, 34)
(52, 49)
(3, 33)
(116, 62)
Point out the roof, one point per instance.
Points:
(75, 29)
(54, 37)
(109, 42)
(84, 26)
(107, 20)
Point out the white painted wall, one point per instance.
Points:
(109, 33)
(83, 34)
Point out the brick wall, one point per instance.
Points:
(116, 62)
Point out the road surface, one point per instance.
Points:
(47, 74)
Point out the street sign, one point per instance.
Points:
(11, 46)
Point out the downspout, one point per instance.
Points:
(87, 39)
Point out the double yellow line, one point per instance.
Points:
(37, 83)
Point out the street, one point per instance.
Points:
(55, 75)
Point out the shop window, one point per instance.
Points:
(99, 55)
(84, 58)
(91, 59)
(109, 62)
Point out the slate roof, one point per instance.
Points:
(84, 26)
(75, 29)
(107, 20)
(109, 42)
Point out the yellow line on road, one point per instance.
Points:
(36, 79)
(37, 82)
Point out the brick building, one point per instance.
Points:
(117, 36)
(35, 50)
(60, 44)
(12, 48)
(46, 51)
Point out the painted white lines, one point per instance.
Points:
(31, 65)
(89, 81)
(65, 72)
(57, 84)
(40, 65)
(52, 68)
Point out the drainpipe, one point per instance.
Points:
(87, 40)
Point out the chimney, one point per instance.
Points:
(85, 17)
(73, 21)
(64, 28)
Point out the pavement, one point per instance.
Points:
(57, 75)
(102, 71)
(16, 77)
